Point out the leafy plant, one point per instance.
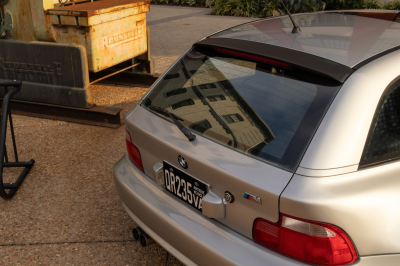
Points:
(343, 4)
(242, 8)
(180, 2)
(372, 4)
(395, 5)
(200, 2)
(270, 9)
(211, 3)
(267, 8)
(276, 8)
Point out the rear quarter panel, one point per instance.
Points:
(329, 187)
(340, 139)
(365, 204)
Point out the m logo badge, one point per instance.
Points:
(252, 197)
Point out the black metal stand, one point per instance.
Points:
(5, 116)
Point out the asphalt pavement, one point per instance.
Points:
(67, 211)
(173, 30)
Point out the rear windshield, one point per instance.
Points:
(266, 111)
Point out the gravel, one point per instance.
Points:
(67, 211)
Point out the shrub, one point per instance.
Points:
(343, 4)
(270, 8)
(239, 8)
(180, 2)
(395, 5)
(372, 4)
(267, 8)
(263, 8)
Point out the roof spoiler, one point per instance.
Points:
(295, 58)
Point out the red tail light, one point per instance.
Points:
(307, 241)
(253, 57)
(133, 151)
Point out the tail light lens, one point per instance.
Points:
(307, 241)
(133, 151)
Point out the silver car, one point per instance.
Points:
(260, 146)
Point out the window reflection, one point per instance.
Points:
(253, 108)
(176, 92)
(215, 98)
(183, 103)
(201, 126)
(233, 118)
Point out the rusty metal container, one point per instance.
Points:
(53, 49)
(113, 31)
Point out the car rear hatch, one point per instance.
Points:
(253, 118)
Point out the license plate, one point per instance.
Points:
(185, 187)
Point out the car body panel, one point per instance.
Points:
(223, 168)
(188, 235)
(363, 203)
(340, 138)
(199, 240)
(387, 260)
(191, 237)
(326, 172)
(338, 37)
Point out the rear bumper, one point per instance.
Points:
(183, 232)
(191, 237)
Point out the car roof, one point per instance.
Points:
(350, 38)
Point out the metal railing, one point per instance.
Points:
(5, 163)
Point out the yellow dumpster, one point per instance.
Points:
(113, 31)
(52, 49)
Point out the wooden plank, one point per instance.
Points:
(97, 116)
(96, 8)
(73, 2)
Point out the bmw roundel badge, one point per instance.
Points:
(182, 162)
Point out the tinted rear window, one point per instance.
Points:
(264, 111)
